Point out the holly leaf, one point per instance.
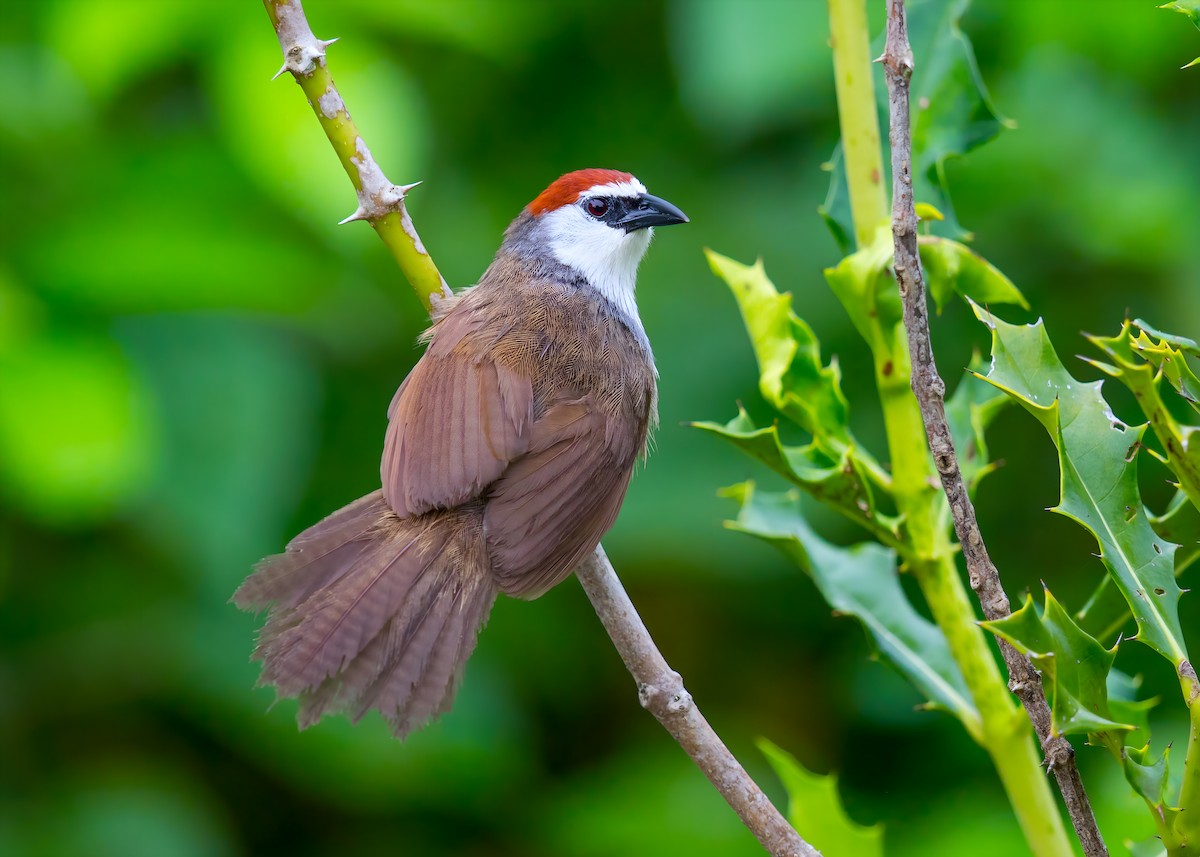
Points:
(1148, 776)
(862, 581)
(953, 268)
(970, 409)
(835, 210)
(1074, 667)
(1098, 465)
(815, 809)
(1130, 365)
(840, 483)
(1183, 343)
(1125, 707)
(1191, 8)
(1106, 612)
(1167, 355)
(865, 287)
(952, 114)
(792, 377)
(1152, 847)
(1180, 523)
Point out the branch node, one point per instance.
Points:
(303, 57)
(302, 51)
(680, 703)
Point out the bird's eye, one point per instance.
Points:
(597, 206)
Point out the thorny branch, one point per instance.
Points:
(660, 689)
(380, 202)
(929, 388)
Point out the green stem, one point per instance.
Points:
(862, 153)
(1003, 731)
(1187, 823)
(1186, 468)
(1185, 838)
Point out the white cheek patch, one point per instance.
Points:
(607, 257)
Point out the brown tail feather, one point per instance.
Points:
(373, 611)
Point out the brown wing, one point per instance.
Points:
(552, 505)
(456, 422)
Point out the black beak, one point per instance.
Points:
(649, 210)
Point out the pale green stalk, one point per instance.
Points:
(1184, 838)
(852, 73)
(1187, 823)
(1003, 731)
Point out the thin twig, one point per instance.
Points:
(661, 692)
(929, 388)
(660, 689)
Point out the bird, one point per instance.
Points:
(508, 451)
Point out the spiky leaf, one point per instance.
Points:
(1191, 8)
(1106, 612)
(1168, 355)
(970, 409)
(842, 484)
(1130, 362)
(1098, 462)
(792, 377)
(1152, 847)
(1073, 665)
(1180, 524)
(864, 284)
(869, 294)
(953, 268)
(862, 581)
(1148, 777)
(1125, 706)
(815, 809)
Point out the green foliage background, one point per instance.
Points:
(195, 364)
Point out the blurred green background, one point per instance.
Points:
(195, 362)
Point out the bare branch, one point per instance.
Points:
(929, 388)
(661, 692)
(660, 689)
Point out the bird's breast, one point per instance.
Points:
(571, 345)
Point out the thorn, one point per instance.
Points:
(324, 43)
(359, 214)
(282, 69)
(405, 188)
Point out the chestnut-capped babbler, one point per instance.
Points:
(508, 451)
